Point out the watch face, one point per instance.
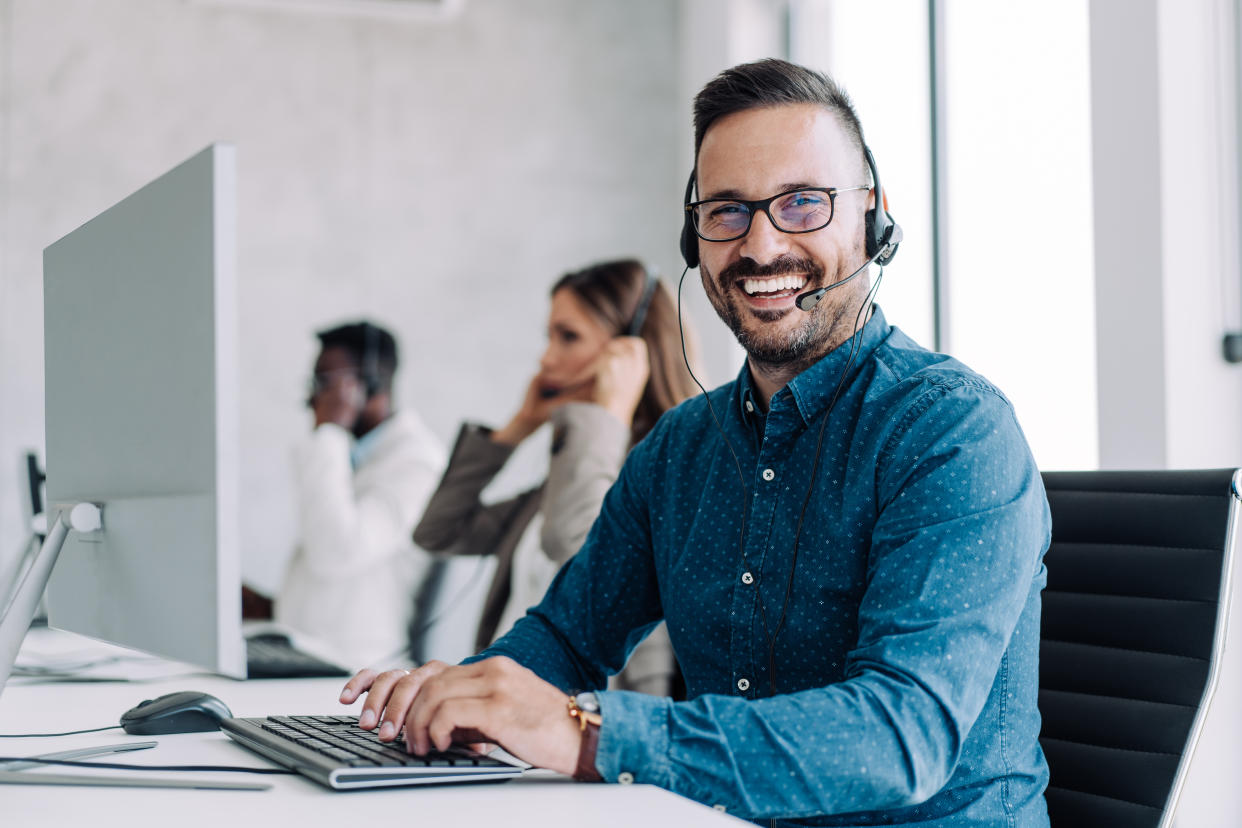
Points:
(587, 702)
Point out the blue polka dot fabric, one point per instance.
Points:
(857, 621)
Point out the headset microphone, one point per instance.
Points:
(807, 301)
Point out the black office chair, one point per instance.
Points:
(1133, 627)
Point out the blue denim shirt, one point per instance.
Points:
(902, 686)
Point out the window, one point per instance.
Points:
(1014, 295)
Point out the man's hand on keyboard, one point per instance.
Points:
(494, 700)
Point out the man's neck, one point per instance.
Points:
(369, 422)
(769, 379)
(772, 377)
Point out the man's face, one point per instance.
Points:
(338, 394)
(754, 281)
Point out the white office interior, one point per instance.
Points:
(1066, 173)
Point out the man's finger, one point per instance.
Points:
(469, 715)
(360, 683)
(402, 695)
(455, 684)
(398, 693)
(377, 697)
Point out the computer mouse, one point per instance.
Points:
(183, 712)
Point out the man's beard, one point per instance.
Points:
(766, 346)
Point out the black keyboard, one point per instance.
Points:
(334, 751)
(272, 655)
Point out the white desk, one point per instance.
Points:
(539, 799)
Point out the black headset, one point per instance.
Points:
(635, 328)
(882, 232)
(369, 371)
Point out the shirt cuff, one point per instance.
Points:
(633, 739)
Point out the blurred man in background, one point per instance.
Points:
(362, 479)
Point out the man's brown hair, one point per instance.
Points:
(772, 82)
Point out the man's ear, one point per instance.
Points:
(871, 199)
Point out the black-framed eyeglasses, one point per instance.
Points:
(803, 210)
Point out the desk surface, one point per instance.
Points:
(539, 799)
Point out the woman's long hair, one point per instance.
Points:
(613, 292)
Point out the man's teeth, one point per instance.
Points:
(780, 283)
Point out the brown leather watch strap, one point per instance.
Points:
(588, 723)
(586, 772)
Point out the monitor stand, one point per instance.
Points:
(21, 609)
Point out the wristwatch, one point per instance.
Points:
(585, 708)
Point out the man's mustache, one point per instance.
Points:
(749, 268)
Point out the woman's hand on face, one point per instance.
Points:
(614, 380)
(621, 374)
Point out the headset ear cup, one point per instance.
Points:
(370, 361)
(872, 242)
(689, 238)
(689, 243)
(880, 230)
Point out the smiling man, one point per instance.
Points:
(846, 541)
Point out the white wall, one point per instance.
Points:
(364, 146)
(1199, 211)
(1166, 224)
(1129, 294)
(1164, 81)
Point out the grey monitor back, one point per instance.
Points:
(140, 316)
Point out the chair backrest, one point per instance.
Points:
(1133, 627)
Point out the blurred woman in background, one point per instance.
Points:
(613, 364)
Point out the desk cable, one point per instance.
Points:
(67, 733)
(121, 766)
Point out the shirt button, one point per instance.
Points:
(769, 475)
(743, 684)
(750, 407)
(625, 778)
(720, 808)
(747, 578)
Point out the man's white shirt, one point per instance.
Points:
(352, 579)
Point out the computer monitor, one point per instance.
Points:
(141, 365)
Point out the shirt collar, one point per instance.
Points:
(748, 397)
(364, 446)
(812, 390)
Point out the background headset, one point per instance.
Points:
(369, 371)
(635, 327)
(881, 234)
